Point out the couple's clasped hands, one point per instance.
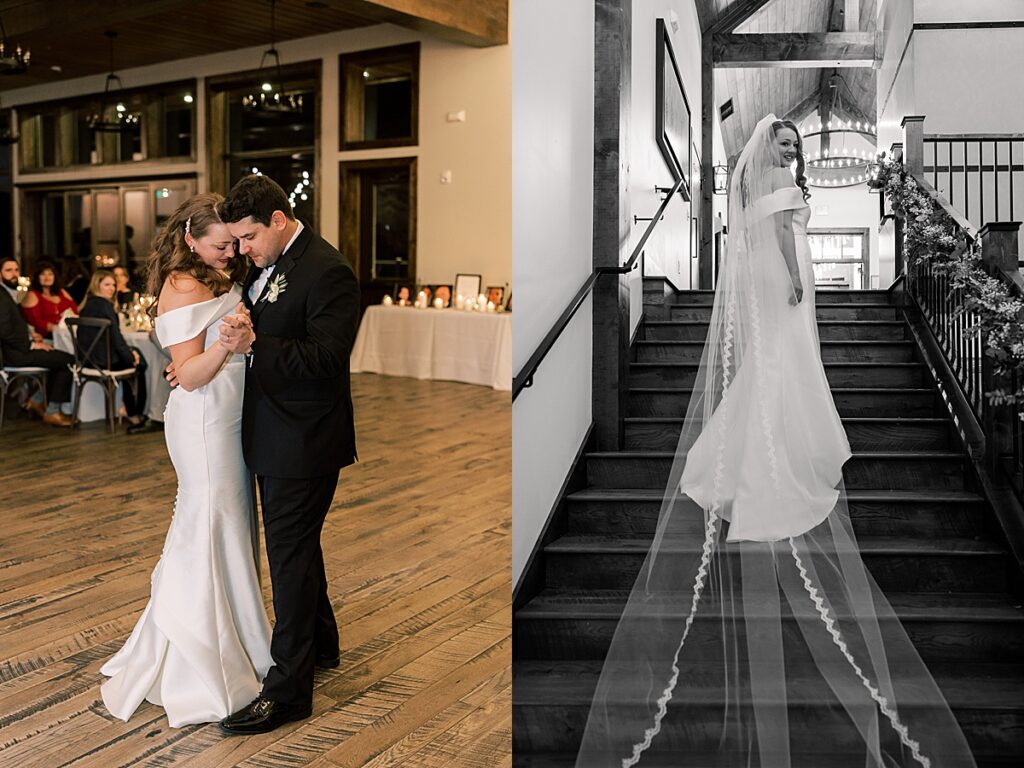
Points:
(236, 332)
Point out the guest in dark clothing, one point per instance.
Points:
(75, 278)
(125, 294)
(17, 348)
(99, 304)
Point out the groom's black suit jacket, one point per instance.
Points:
(297, 413)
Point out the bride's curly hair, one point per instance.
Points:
(801, 176)
(171, 255)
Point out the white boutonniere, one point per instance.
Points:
(277, 286)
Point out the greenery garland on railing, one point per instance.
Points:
(932, 236)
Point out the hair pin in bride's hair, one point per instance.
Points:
(188, 226)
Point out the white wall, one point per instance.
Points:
(461, 227)
(552, 230)
(669, 251)
(960, 79)
(895, 78)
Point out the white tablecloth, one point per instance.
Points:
(473, 347)
(93, 405)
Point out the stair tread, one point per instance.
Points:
(600, 543)
(849, 364)
(858, 390)
(829, 304)
(695, 343)
(856, 494)
(908, 606)
(655, 759)
(974, 685)
(654, 321)
(855, 455)
(850, 419)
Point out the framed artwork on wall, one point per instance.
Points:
(672, 112)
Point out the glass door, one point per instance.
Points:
(839, 258)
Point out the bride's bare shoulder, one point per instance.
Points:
(781, 178)
(179, 290)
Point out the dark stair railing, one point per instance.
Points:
(980, 174)
(524, 378)
(993, 432)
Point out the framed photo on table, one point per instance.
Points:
(496, 293)
(468, 286)
(404, 295)
(444, 293)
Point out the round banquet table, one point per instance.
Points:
(448, 344)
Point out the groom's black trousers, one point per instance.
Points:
(293, 516)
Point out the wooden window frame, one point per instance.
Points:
(369, 58)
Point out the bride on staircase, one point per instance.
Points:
(754, 636)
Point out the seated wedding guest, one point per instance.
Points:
(99, 303)
(75, 279)
(17, 347)
(125, 295)
(46, 300)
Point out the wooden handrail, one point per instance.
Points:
(945, 205)
(973, 136)
(524, 378)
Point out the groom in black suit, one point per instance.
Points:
(298, 326)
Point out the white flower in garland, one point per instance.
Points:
(277, 286)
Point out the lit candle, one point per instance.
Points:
(387, 301)
(438, 303)
(490, 306)
(460, 301)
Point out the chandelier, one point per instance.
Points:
(839, 165)
(121, 119)
(271, 98)
(14, 60)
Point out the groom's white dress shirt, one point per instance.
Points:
(261, 281)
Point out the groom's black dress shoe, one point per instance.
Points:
(262, 716)
(328, 662)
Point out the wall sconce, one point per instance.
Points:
(721, 177)
(874, 184)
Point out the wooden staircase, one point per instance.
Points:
(927, 537)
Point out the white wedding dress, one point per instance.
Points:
(785, 444)
(202, 645)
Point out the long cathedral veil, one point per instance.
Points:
(777, 650)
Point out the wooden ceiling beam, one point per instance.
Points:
(736, 14)
(794, 50)
(803, 109)
(478, 23)
(851, 17)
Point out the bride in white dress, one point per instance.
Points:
(754, 637)
(202, 645)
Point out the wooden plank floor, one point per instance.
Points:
(417, 549)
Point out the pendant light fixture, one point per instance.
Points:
(269, 96)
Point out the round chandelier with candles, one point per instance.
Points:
(839, 165)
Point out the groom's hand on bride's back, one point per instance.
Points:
(171, 376)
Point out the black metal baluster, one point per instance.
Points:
(967, 191)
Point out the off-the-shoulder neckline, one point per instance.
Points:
(233, 289)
